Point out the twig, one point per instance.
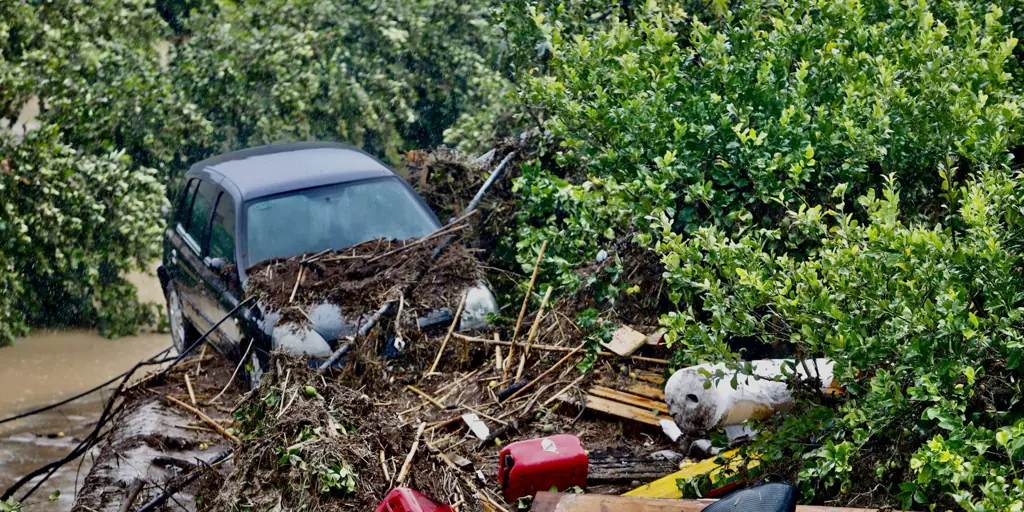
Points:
(199, 366)
(533, 333)
(522, 310)
(387, 476)
(563, 390)
(284, 390)
(233, 375)
(133, 494)
(191, 393)
(497, 352)
(553, 348)
(427, 397)
(298, 279)
(451, 329)
(548, 372)
(443, 230)
(206, 419)
(412, 454)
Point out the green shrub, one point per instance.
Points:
(73, 224)
(923, 321)
(750, 115)
(385, 76)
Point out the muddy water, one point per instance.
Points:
(47, 366)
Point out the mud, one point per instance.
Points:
(358, 283)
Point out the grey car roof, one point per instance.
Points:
(276, 168)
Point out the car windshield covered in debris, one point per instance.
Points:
(268, 204)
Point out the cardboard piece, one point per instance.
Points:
(625, 341)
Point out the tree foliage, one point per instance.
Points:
(824, 179)
(386, 76)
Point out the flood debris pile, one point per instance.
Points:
(361, 278)
(155, 444)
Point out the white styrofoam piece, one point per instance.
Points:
(697, 409)
(477, 426)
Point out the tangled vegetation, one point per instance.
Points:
(824, 179)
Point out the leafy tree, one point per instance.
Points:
(386, 76)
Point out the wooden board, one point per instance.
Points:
(649, 376)
(611, 469)
(629, 399)
(645, 390)
(559, 502)
(619, 409)
(625, 340)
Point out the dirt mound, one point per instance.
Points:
(361, 278)
(449, 180)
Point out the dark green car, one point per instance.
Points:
(274, 201)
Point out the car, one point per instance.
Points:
(280, 201)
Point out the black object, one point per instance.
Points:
(512, 388)
(774, 497)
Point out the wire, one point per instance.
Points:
(82, 394)
(203, 337)
(106, 416)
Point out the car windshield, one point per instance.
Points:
(334, 217)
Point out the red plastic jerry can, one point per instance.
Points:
(403, 499)
(528, 467)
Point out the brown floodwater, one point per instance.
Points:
(50, 365)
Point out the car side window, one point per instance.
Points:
(200, 214)
(182, 216)
(222, 230)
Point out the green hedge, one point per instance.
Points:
(824, 178)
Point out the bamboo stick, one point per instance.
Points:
(533, 333)
(451, 329)
(553, 348)
(206, 419)
(407, 465)
(522, 310)
(547, 372)
(191, 392)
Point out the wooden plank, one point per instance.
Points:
(649, 376)
(559, 502)
(645, 390)
(612, 469)
(625, 340)
(618, 409)
(666, 488)
(628, 399)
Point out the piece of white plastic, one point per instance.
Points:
(698, 406)
(477, 426)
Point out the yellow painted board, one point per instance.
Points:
(667, 488)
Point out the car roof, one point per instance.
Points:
(277, 168)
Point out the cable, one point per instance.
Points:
(106, 416)
(203, 337)
(82, 394)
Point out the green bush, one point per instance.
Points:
(923, 321)
(385, 76)
(708, 135)
(73, 224)
(747, 116)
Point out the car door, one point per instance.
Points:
(219, 274)
(186, 241)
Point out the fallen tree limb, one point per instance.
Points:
(206, 419)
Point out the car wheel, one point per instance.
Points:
(182, 333)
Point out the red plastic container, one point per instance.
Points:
(403, 499)
(528, 467)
